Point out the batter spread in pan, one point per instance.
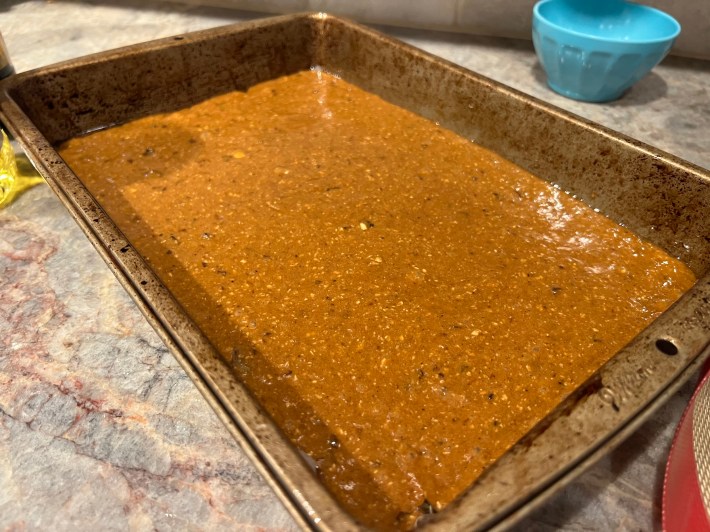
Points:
(404, 303)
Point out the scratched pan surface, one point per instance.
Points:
(658, 196)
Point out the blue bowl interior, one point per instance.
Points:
(610, 20)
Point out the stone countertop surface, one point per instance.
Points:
(100, 428)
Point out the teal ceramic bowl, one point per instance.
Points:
(594, 50)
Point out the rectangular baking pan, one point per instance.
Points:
(656, 195)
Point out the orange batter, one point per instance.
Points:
(404, 303)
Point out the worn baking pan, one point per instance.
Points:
(656, 195)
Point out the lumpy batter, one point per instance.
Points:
(405, 304)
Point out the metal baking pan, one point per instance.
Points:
(656, 195)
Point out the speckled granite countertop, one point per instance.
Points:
(99, 426)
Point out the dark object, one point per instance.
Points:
(6, 68)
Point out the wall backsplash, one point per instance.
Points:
(504, 18)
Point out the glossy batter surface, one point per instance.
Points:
(406, 304)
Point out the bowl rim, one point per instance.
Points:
(537, 16)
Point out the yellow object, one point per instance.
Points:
(13, 181)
